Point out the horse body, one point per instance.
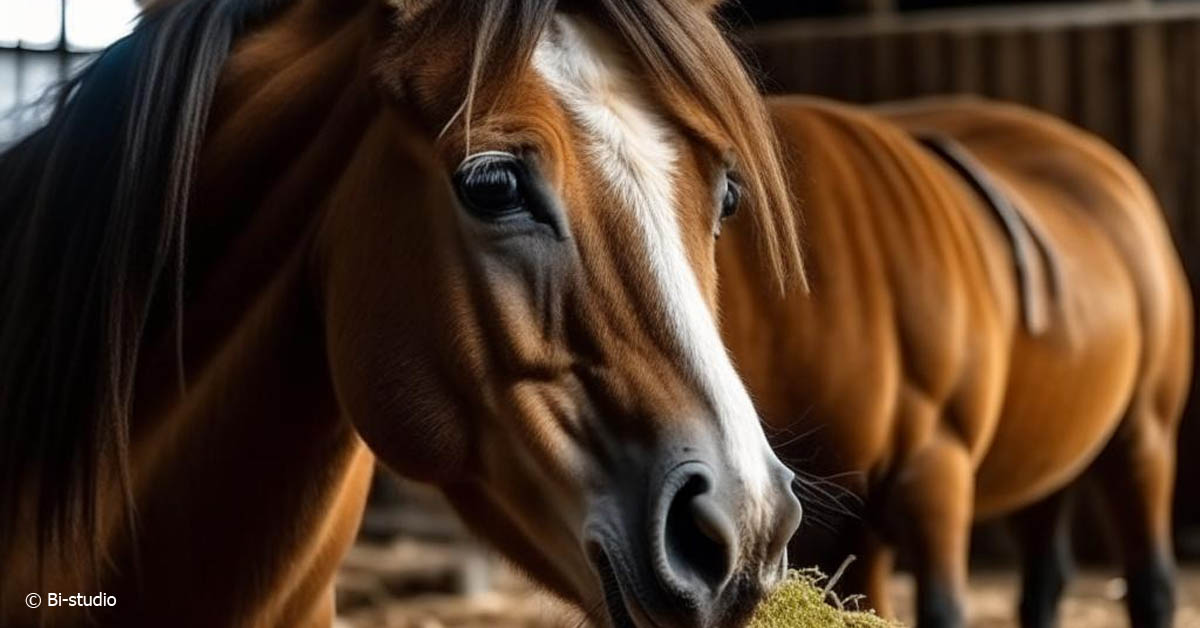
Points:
(911, 363)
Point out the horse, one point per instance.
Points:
(261, 243)
(996, 307)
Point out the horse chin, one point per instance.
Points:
(628, 603)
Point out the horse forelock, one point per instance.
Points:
(675, 49)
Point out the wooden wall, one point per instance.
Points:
(1129, 72)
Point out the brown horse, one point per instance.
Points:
(963, 369)
(262, 241)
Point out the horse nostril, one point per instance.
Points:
(699, 539)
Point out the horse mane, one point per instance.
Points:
(93, 209)
(92, 213)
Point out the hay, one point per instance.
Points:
(800, 601)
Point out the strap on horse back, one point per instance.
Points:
(1035, 264)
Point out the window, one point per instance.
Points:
(94, 24)
(42, 41)
(90, 25)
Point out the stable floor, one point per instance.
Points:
(451, 584)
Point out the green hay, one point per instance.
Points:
(800, 601)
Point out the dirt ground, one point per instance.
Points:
(416, 567)
(411, 584)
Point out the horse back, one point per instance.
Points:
(913, 330)
(1074, 383)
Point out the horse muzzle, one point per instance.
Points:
(688, 547)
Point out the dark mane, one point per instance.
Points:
(92, 214)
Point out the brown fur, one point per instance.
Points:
(335, 294)
(909, 364)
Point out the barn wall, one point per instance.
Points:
(1130, 73)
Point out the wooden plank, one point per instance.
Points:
(852, 69)
(1182, 144)
(1055, 15)
(881, 7)
(1006, 78)
(966, 62)
(1147, 91)
(930, 63)
(885, 70)
(1190, 214)
(787, 66)
(1096, 91)
(905, 63)
(1049, 69)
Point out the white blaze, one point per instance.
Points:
(630, 144)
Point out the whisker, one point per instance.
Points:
(823, 496)
(823, 499)
(818, 521)
(772, 433)
(798, 437)
(833, 491)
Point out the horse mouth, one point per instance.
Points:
(620, 615)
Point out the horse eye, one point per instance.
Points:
(732, 198)
(491, 186)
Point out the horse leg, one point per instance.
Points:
(871, 573)
(1137, 469)
(1043, 533)
(933, 496)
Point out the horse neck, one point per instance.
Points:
(255, 443)
(249, 485)
(253, 216)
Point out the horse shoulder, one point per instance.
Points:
(887, 347)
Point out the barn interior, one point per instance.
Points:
(1127, 70)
